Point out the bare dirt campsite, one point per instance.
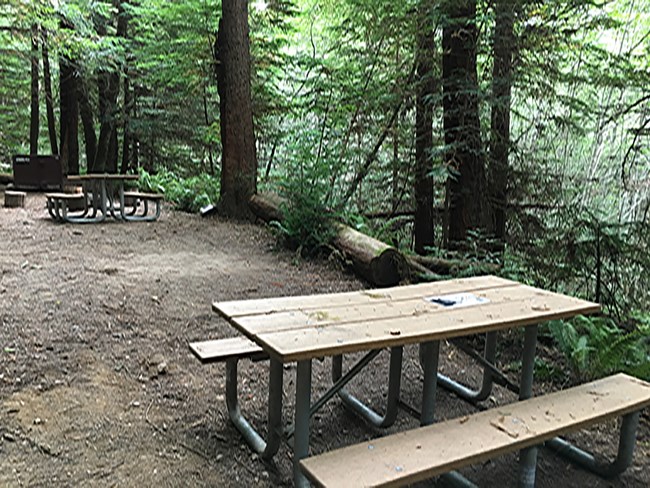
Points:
(98, 387)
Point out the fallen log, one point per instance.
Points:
(267, 206)
(375, 261)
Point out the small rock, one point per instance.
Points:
(9, 437)
(162, 368)
(38, 421)
(135, 403)
(219, 457)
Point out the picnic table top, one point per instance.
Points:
(305, 327)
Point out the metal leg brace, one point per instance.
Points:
(392, 400)
(486, 385)
(266, 449)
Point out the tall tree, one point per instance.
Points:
(466, 198)
(69, 115)
(49, 101)
(34, 118)
(502, 46)
(239, 159)
(423, 128)
(109, 88)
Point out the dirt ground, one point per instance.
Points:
(98, 387)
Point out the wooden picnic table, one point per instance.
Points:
(103, 195)
(299, 329)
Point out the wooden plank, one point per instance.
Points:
(221, 349)
(148, 196)
(238, 308)
(411, 456)
(383, 310)
(64, 196)
(305, 343)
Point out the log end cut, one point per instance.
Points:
(14, 199)
(376, 261)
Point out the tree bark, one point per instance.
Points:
(109, 87)
(49, 101)
(88, 124)
(503, 45)
(466, 197)
(423, 189)
(69, 116)
(239, 158)
(34, 115)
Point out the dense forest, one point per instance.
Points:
(511, 133)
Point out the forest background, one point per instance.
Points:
(509, 132)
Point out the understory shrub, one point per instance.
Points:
(187, 194)
(596, 346)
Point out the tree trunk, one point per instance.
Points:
(34, 116)
(503, 45)
(49, 101)
(126, 135)
(109, 86)
(423, 130)
(69, 117)
(88, 124)
(239, 159)
(466, 198)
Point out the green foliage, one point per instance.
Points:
(307, 225)
(596, 347)
(187, 194)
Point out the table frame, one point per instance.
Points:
(99, 185)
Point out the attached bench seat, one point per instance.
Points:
(146, 199)
(219, 350)
(58, 204)
(415, 455)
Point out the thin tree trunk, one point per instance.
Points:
(34, 115)
(423, 228)
(239, 159)
(370, 158)
(466, 198)
(503, 45)
(49, 101)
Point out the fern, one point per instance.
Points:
(597, 347)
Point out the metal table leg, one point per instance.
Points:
(392, 400)
(266, 449)
(528, 456)
(626, 442)
(301, 435)
(429, 356)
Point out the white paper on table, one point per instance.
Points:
(457, 300)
